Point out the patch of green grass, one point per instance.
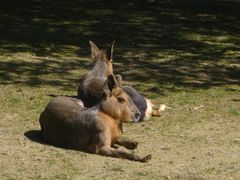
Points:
(165, 177)
(9, 176)
(235, 141)
(147, 128)
(51, 161)
(142, 174)
(14, 100)
(234, 112)
(58, 155)
(210, 170)
(62, 176)
(39, 177)
(117, 169)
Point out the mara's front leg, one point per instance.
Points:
(121, 153)
(102, 143)
(127, 143)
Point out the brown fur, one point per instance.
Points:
(156, 112)
(97, 129)
(90, 88)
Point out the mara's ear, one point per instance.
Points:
(94, 50)
(109, 51)
(109, 85)
(119, 80)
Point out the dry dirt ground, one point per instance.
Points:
(182, 54)
(196, 138)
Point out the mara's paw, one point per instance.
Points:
(132, 145)
(146, 158)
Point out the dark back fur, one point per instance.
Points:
(64, 122)
(138, 100)
(90, 88)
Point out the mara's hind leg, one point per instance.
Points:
(152, 111)
(120, 153)
(158, 112)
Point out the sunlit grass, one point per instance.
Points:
(185, 55)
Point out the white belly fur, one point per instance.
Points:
(148, 112)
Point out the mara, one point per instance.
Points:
(66, 123)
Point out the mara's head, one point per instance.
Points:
(117, 103)
(102, 59)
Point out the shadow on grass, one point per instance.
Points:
(42, 71)
(171, 44)
(35, 136)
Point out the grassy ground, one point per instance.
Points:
(184, 54)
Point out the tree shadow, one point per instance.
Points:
(50, 71)
(172, 44)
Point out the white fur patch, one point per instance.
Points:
(162, 107)
(80, 103)
(148, 112)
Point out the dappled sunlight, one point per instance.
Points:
(165, 43)
(32, 70)
(233, 55)
(223, 41)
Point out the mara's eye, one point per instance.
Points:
(121, 99)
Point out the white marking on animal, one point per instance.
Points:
(80, 103)
(148, 112)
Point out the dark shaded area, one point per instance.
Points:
(56, 95)
(153, 40)
(16, 71)
(35, 136)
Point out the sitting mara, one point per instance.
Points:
(90, 87)
(65, 122)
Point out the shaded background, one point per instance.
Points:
(172, 44)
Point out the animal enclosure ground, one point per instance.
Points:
(184, 54)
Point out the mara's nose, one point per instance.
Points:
(137, 116)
